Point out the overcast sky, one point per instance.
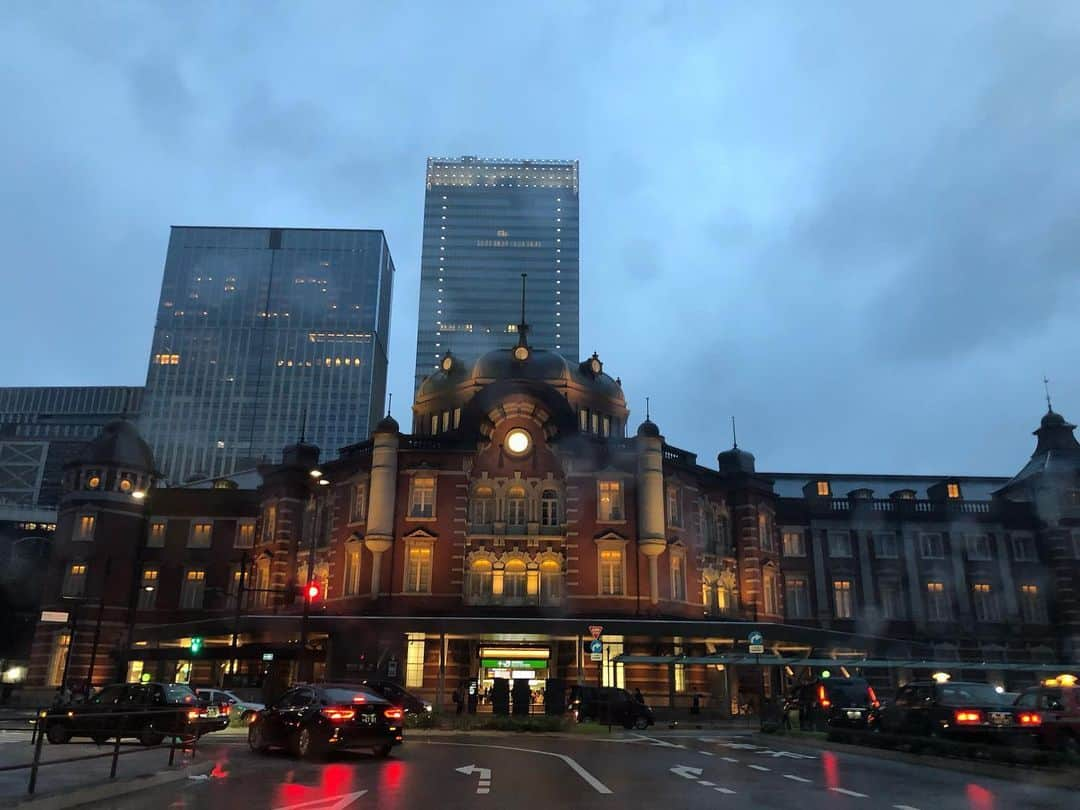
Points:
(855, 229)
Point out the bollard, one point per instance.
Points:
(172, 750)
(37, 752)
(115, 756)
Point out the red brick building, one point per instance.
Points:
(516, 514)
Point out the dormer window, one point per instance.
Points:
(823, 489)
(953, 491)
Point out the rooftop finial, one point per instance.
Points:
(523, 328)
(303, 423)
(390, 403)
(647, 409)
(1046, 387)
(734, 441)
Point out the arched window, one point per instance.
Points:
(514, 581)
(479, 587)
(551, 582)
(515, 506)
(549, 508)
(483, 506)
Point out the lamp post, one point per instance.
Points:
(307, 592)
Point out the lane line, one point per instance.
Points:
(795, 778)
(729, 759)
(758, 767)
(661, 743)
(707, 753)
(706, 784)
(725, 790)
(847, 792)
(590, 780)
(904, 807)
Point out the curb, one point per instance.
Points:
(111, 789)
(997, 770)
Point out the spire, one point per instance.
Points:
(647, 419)
(390, 403)
(523, 327)
(1046, 387)
(303, 423)
(734, 441)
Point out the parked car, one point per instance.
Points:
(235, 705)
(826, 704)
(1049, 716)
(148, 712)
(608, 704)
(958, 710)
(400, 697)
(311, 720)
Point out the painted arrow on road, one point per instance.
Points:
(484, 785)
(686, 772)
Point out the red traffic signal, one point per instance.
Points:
(313, 591)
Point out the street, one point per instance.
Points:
(702, 769)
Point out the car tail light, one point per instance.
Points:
(1030, 719)
(359, 699)
(822, 698)
(873, 697)
(193, 714)
(967, 717)
(225, 709)
(393, 714)
(338, 715)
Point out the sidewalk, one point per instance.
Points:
(64, 785)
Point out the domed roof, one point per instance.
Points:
(1057, 453)
(735, 460)
(1052, 420)
(541, 364)
(118, 445)
(387, 424)
(648, 428)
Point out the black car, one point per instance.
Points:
(827, 704)
(958, 710)
(608, 704)
(313, 720)
(147, 711)
(399, 697)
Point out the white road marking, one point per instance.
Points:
(706, 784)
(707, 753)
(725, 790)
(758, 767)
(660, 743)
(847, 792)
(788, 754)
(327, 803)
(796, 778)
(589, 779)
(729, 759)
(904, 807)
(686, 772)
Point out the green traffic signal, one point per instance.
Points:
(196, 645)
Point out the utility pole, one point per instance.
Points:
(239, 608)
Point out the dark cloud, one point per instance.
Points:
(852, 228)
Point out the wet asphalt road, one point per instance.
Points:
(497, 771)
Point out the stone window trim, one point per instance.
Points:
(353, 488)
(85, 526)
(413, 476)
(418, 542)
(673, 506)
(200, 521)
(238, 542)
(676, 551)
(611, 543)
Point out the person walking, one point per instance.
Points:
(458, 701)
(640, 698)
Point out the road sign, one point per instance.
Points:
(596, 646)
(757, 649)
(596, 630)
(755, 637)
(596, 656)
(54, 616)
(268, 656)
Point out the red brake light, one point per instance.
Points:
(1030, 719)
(193, 714)
(822, 699)
(225, 708)
(338, 715)
(873, 697)
(966, 717)
(393, 714)
(359, 699)
(313, 592)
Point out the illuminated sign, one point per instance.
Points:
(502, 663)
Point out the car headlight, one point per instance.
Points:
(427, 706)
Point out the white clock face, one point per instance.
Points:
(521, 353)
(447, 363)
(595, 366)
(518, 441)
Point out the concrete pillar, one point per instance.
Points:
(381, 498)
(652, 539)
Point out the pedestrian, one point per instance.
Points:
(459, 702)
(640, 698)
(695, 705)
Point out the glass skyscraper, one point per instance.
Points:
(485, 223)
(258, 331)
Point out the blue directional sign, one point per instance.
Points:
(755, 637)
(596, 647)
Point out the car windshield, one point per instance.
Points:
(178, 693)
(960, 694)
(341, 696)
(231, 696)
(855, 693)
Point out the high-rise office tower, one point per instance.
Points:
(261, 331)
(485, 223)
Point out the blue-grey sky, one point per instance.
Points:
(852, 225)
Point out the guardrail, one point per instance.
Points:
(184, 739)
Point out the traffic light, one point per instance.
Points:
(312, 591)
(196, 645)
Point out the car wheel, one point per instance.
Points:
(381, 751)
(306, 745)
(149, 737)
(256, 739)
(57, 733)
(641, 723)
